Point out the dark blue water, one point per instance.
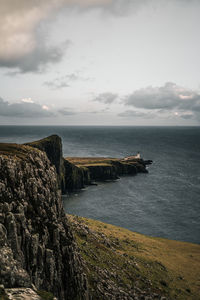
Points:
(165, 202)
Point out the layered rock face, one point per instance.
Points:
(37, 246)
(70, 177)
(75, 173)
(80, 171)
(52, 146)
(75, 178)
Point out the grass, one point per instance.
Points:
(100, 162)
(15, 150)
(45, 295)
(52, 138)
(84, 161)
(167, 267)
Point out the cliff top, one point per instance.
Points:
(21, 151)
(15, 150)
(53, 139)
(99, 161)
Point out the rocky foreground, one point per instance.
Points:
(39, 256)
(37, 246)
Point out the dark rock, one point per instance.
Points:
(37, 245)
(75, 178)
(52, 146)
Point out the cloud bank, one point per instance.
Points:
(27, 108)
(24, 109)
(168, 98)
(21, 45)
(106, 98)
(66, 112)
(137, 114)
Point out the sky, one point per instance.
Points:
(100, 62)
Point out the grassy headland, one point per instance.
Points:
(121, 261)
(15, 150)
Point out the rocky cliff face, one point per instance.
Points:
(73, 175)
(80, 171)
(70, 177)
(52, 146)
(37, 246)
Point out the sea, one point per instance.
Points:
(163, 203)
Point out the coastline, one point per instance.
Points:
(37, 238)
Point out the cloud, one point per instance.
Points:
(66, 112)
(106, 98)
(170, 97)
(113, 7)
(23, 45)
(27, 100)
(37, 60)
(27, 108)
(24, 109)
(124, 7)
(186, 116)
(64, 81)
(136, 114)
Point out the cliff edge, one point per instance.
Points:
(74, 173)
(37, 246)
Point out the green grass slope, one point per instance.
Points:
(120, 261)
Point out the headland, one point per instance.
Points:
(46, 253)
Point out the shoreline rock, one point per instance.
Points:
(89, 170)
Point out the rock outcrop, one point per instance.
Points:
(37, 245)
(75, 173)
(82, 171)
(52, 146)
(75, 178)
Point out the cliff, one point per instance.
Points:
(90, 169)
(74, 173)
(52, 146)
(39, 257)
(70, 177)
(37, 244)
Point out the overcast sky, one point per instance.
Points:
(100, 62)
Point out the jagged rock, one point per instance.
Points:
(72, 177)
(52, 146)
(75, 178)
(37, 245)
(22, 294)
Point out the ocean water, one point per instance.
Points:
(163, 203)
